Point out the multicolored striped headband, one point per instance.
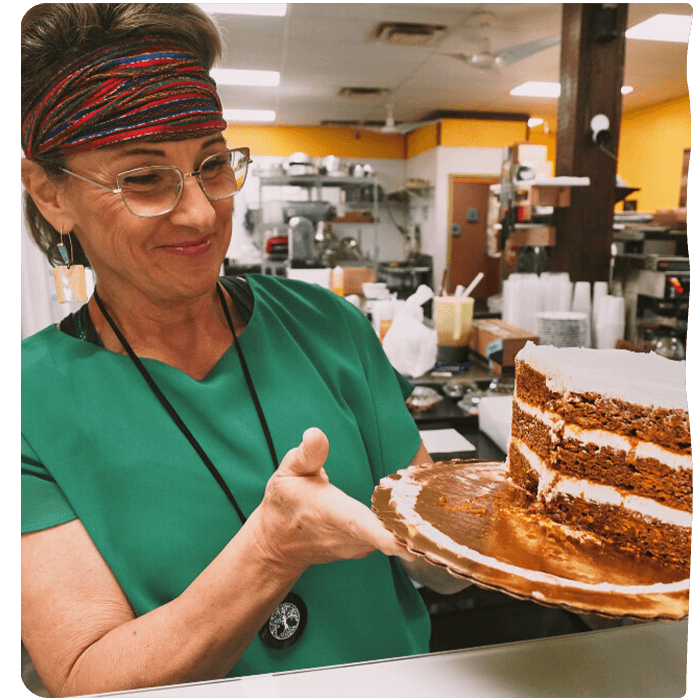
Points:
(150, 90)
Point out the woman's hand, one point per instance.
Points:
(304, 520)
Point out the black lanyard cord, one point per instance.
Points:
(173, 413)
(249, 381)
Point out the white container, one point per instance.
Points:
(562, 329)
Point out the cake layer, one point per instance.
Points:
(603, 457)
(645, 537)
(520, 472)
(644, 379)
(529, 469)
(667, 427)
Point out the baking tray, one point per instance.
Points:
(467, 516)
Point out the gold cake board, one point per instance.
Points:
(467, 516)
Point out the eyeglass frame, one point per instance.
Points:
(195, 173)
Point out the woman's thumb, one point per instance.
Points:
(309, 457)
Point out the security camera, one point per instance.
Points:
(600, 125)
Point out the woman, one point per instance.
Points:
(164, 539)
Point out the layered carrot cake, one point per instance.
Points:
(601, 439)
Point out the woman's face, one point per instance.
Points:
(172, 256)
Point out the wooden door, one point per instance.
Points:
(466, 247)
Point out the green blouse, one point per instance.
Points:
(97, 445)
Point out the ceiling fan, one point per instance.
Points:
(485, 59)
(391, 127)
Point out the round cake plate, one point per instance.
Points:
(467, 516)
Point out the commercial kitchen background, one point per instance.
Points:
(451, 120)
(321, 50)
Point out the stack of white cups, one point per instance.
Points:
(555, 291)
(610, 321)
(600, 289)
(527, 294)
(521, 301)
(582, 304)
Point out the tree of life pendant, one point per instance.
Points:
(286, 624)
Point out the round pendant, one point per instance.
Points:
(286, 624)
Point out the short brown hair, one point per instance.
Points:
(55, 34)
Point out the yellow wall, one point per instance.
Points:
(422, 139)
(316, 141)
(348, 142)
(650, 156)
(471, 133)
(652, 141)
(481, 133)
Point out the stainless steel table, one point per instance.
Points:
(642, 660)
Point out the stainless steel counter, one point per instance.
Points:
(642, 660)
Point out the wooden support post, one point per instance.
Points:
(591, 76)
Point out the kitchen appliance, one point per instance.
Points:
(657, 291)
(403, 278)
(302, 246)
(314, 211)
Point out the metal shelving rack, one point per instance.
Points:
(314, 184)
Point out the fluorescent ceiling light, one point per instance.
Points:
(539, 89)
(662, 28)
(263, 9)
(255, 78)
(249, 115)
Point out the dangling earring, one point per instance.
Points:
(69, 278)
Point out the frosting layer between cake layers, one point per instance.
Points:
(602, 437)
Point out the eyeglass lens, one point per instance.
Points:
(155, 190)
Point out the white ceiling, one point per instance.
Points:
(320, 48)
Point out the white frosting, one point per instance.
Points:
(404, 496)
(635, 449)
(552, 483)
(646, 379)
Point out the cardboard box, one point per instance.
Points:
(548, 196)
(498, 342)
(526, 153)
(533, 235)
(355, 217)
(352, 279)
(672, 218)
(544, 169)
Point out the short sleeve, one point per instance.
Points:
(44, 504)
(397, 434)
(405, 386)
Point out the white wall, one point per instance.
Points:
(437, 166)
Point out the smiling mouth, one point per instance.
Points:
(193, 248)
(194, 244)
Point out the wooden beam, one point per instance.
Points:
(591, 76)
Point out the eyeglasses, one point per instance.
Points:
(156, 190)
